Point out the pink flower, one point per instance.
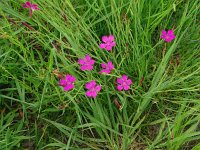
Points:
(32, 7)
(86, 63)
(123, 83)
(92, 89)
(108, 42)
(106, 68)
(167, 36)
(67, 82)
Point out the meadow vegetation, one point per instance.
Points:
(161, 110)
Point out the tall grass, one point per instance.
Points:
(161, 111)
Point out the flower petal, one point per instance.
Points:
(90, 67)
(81, 61)
(67, 77)
(172, 37)
(103, 65)
(164, 32)
(124, 77)
(106, 71)
(27, 5)
(102, 45)
(119, 80)
(35, 7)
(105, 39)
(126, 87)
(68, 87)
(87, 57)
(91, 62)
(90, 84)
(72, 79)
(88, 93)
(119, 87)
(162, 37)
(113, 44)
(63, 82)
(110, 65)
(98, 88)
(170, 32)
(129, 82)
(93, 94)
(111, 38)
(108, 47)
(84, 67)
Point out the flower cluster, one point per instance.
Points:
(168, 36)
(87, 63)
(123, 83)
(92, 89)
(68, 82)
(31, 6)
(106, 68)
(108, 42)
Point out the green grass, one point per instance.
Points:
(161, 113)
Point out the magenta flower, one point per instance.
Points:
(108, 42)
(167, 36)
(92, 89)
(106, 68)
(32, 7)
(86, 63)
(123, 83)
(68, 82)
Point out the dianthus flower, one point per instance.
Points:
(108, 42)
(32, 7)
(68, 82)
(167, 36)
(92, 89)
(123, 83)
(106, 68)
(86, 63)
